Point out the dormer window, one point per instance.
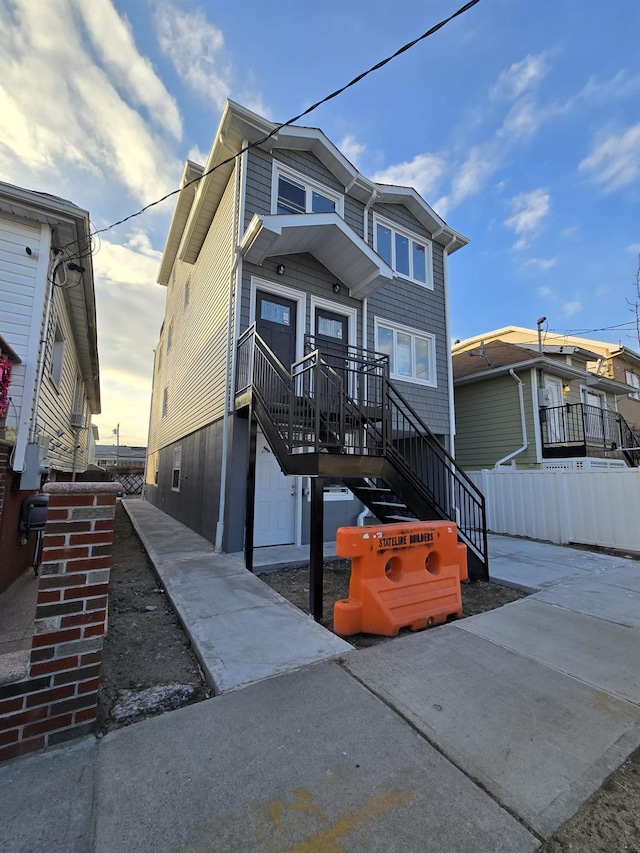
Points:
(406, 253)
(294, 193)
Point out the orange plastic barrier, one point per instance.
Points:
(402, 575)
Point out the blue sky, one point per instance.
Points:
(518, 122)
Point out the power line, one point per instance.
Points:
(306, 112)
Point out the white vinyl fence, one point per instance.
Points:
(588, 507)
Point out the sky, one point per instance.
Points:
(519, 122)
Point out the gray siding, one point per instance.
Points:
(308, 164)
(258, 185)
(192, 368)
(303, 273)
(422, 309)
(336, 514)
(354, 215)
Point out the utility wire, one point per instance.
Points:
(306, 112)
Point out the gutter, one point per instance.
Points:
(447, 321)
(523, 423)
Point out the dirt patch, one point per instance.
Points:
(293, 584)
(145, 646)
(609, 821)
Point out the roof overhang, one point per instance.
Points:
(188, 187)
(325, 236)
(9, 352)
(550, 366)
(239, 126)
(71, 232)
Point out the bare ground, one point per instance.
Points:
(147, 647)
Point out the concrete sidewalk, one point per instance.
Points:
(241, 630)
(481, 735)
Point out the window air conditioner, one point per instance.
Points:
(77, 420)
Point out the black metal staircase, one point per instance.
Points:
(343, 417)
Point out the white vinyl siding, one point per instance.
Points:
(18, 274)
(59, 400)
(193, 369)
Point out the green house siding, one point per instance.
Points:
(488, 422)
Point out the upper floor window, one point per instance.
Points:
(187, 293)
(634, 381)
(165, 402)
(412, 353)
(408, 255)
(169, 336)
(57, 356)
(294, 193)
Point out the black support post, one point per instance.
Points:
(251, 493)
(316, 563)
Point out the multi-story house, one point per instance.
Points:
(304, 356)
(48, 322)
(532, 400)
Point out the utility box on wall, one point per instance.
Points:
(35, 465)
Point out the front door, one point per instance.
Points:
(332, 339)
(275, 506)
(556, 423)
(276, 325)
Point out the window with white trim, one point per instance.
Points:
(407, 254)
(412, 353)
(176, 470)
(295, 193)
(634, 381)
(57, 356)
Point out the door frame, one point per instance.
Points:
(335, 308)
(300, 298)
(277, 289)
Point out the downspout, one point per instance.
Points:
(525, 442)
(365, 232)
(227, 385)
(447, 320)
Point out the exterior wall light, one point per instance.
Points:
(280, 269)
(336, 287)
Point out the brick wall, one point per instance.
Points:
(57, 700)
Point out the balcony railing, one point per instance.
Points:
(575, 427)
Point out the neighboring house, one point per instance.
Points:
(127, 458)
(48, 319)
(303, 294)
(528, 408)
(614, 361)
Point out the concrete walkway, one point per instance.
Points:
(481, 735)
(241, 630)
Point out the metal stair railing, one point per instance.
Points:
(311, 411)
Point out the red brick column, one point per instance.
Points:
(58, 698)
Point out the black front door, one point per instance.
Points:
(276, 325)
(332, 337)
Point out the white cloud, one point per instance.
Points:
(615, 162)
(542, 264)
(634, 248)
(470, 176)
(529, 210)
(423, 173)
(352, 149)
(127, 68)
(570, 309)
(196, 49)
(523, 119)
(130, 309)
(545, 293)
(197, 155)
(61, 114)
(520, 76)
(622, 85)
